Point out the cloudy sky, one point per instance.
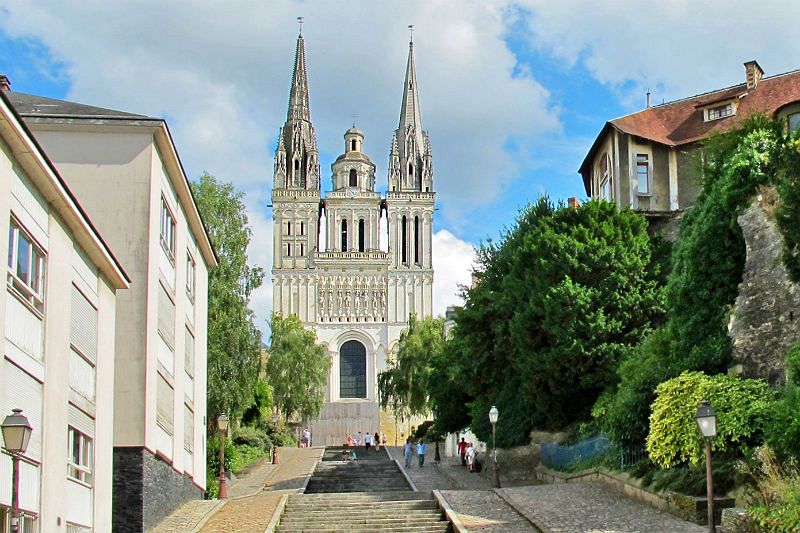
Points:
(512, 93)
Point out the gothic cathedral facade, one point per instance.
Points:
(334, 268)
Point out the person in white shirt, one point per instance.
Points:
(358, 439)
(471, 453)
(368, 441)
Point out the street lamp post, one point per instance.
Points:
(707, 422)
(16, 435)
(222, 424)
(493, 419)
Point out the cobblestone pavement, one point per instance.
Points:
(485, 511)
(592, 507)
(251, 499)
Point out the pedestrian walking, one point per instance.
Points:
(471, 452)
(306, 442)
(367, 441)
(462, 451)
(358, 439)
(421, 452)
(384, 440)
(408, 451)
(377, 441)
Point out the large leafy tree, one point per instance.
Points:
(559, 300)
(405, 385)
(234, 343)
(297, 368)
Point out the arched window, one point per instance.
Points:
(344, 235)
(416, 240)
(353, 178)
(352, 370)
(353, 145)
(404, 239)
(361, 237)
(410, 172)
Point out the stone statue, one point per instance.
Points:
(348, 300)
(339, 304)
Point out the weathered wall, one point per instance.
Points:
(766, 317)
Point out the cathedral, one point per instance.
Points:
(350, 282)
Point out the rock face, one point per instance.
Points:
(766, 317)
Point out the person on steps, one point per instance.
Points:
(377, 440)
(462, 451)
(408, 451)
(367, 441)
(421, 452)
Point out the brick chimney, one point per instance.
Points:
(754, 73)
(5, 83)
(573, 202)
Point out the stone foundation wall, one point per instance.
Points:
(146, 490)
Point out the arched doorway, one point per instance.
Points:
(352, 370)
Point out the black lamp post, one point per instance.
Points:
(707, 422)
(16, 435)
(222, 424)
(493, 419)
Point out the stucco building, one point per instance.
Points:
(650, 160)
(125, 171)
(334, 268)
(58, 358)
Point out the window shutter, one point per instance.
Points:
(21, 390)
(188, 429)
(188, 362)
(80, 421)
(166, 316)
(166, 402)
(83, 325)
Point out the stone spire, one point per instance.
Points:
(297, 158)
(410, 164)
(298, 96)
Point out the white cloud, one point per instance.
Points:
(259, 253)
(677, 48)
(452, 264)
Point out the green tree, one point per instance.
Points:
(297, 368)
(234, 343)
(560, 299)
(405, 385)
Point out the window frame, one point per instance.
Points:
(606, 193)
(719, 111)
(191, 276)
(29, 294)
(78, 471)
(168, 241)
(789, 118)
(646, 164)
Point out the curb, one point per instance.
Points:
(211, 512)
(524, 513)
(276, 514)
(310, 472)
(451, 515)
(405, 475)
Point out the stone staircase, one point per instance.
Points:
(367, 495)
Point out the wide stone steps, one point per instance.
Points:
(356, 476)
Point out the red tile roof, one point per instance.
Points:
(681, 122)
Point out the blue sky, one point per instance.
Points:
(512, 92)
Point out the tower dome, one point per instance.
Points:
(353, 140)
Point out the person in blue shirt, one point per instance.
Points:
(408, 451)
(421, 452)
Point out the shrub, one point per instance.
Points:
(783, 431)
(252, 436)
(742, 407)
(778, 484)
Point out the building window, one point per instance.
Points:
(643, 173)
(165, 404)
(794, 122)
(353, 145)
(289, 250)
(344, 235)
(361, 237)
(302, 229)
(404, 239)
(720, 111)
(26, 265)
(79, 457)
(605, 177)
(188, 429)
(191, 268)
(288, 228)
(353, 370)
(353, 178)
(302, 249)
(167, 230)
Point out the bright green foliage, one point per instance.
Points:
(404, 385)
(707, 264)
(777, 484)
(742, 407)
(447, 396)
(234, 343)
(560, 299)
(297, 368)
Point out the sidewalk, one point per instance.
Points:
(428, 477)
(252, 499)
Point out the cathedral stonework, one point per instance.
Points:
(334, 268)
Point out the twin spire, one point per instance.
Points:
(410, 165)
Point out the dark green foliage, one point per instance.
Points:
(252, 436)
(560, 299)
(783, 432)
(234, 343)
(706, 269)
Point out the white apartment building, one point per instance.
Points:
(125, 171)
(58, 357)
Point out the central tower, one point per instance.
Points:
(356, 297)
